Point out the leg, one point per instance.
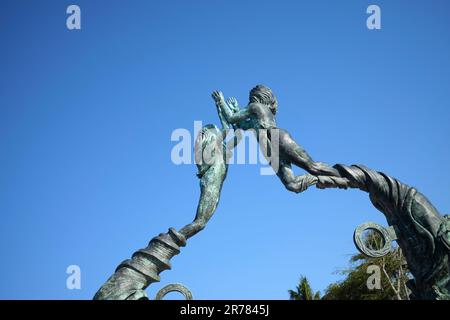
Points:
(294, 183)
(298, 156)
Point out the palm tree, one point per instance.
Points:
(303, 291)
(394, 275)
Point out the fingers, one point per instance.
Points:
(217, 95)
(232, 102)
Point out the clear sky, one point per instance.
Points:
(86, 118)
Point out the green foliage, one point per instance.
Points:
(392, 271)
(393, 276)
(303, 291)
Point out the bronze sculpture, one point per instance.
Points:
(421, 232)
(134, 275)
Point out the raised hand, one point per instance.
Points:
(233, 104)
(218, 97)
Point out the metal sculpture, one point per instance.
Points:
(421, 232)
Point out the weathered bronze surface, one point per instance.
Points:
(421, 232)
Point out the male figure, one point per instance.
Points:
(260, 116)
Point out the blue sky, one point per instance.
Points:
(86, 118)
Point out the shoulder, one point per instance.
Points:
(255, 107)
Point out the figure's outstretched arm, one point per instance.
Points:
(233, 105)
(223, 121)
(232, 118)
(237, 117)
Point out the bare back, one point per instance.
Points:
(261, 116)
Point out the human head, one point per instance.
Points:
(262, 94)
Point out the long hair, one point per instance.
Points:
(262, 94)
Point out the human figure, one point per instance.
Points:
(260, 116)
(211, 156)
